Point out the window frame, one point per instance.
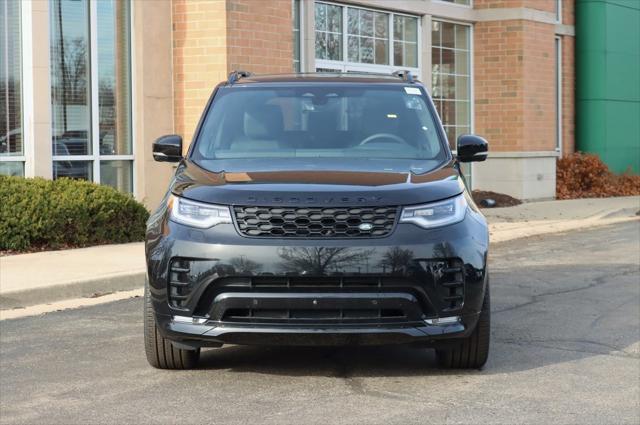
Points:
(557, 40)
(451, 3)
(301, 32)
(96, 158)
(468, 169)
(23, 157)
(345, 65)
(470, 76)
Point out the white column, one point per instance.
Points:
(36, 88)
(425, 47)
(308, 35)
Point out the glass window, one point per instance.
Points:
(296, 35)
(118, 174)
(73, 169)
(86, 143)
(328, 31)
(375, 41)
(114, 78)
(405, 41)
(451, 77)
(328, 121)
(12, 168)
(11, 146)
(367, 36)
(462, 2)
(558, 57)
(70, 85)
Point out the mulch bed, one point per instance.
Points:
(501, 200)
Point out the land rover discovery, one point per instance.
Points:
(317, 209)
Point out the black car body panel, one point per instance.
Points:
(318, 182)
(219, 285)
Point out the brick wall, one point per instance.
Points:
(499, 83)
(259, 36)
(199, 58)
(515, 77)
(539, 94)
(496, 4)
(546, 5)
(213, 37)
(568, 12)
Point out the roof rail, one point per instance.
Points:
(405, 74)
(237, 74)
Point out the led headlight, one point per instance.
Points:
(197, 214)
(437, 214)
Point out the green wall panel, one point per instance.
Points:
(608, 81)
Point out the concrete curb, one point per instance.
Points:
(504, 232)
(79, 289)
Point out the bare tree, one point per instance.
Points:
(243, 265)
(76, 71)
(396, 259)
(320, 260)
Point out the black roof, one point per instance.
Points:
(240, 77)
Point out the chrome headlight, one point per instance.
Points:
(436, 214)
(198, 214)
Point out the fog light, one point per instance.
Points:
(443, 321)
(192, 320)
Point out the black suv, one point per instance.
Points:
(317, 209)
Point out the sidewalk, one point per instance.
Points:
(43, 277)
(538, 218)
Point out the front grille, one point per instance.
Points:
(387, 315)
(307, 288)
(311, 222)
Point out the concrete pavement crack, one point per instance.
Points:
(597, 281)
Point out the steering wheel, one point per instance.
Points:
(376, 136)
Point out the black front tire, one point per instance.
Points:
(161, 354)
(473, 352)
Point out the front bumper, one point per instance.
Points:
(217, 287)
(195, 334)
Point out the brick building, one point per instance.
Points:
(88, 85)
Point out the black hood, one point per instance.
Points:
(317, 182)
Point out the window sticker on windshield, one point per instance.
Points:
(413, 103)
(412, 90)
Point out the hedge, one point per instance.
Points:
(37, 214)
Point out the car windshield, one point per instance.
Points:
(324, 121)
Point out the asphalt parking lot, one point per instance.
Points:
(565, 349)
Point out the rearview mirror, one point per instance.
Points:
(168, 148)
(472, 148)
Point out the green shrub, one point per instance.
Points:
(52, 214)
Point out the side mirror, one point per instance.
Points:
(472, 148)
(168, 149)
